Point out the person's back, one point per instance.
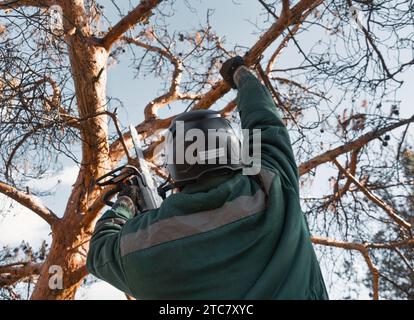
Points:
(231, 236)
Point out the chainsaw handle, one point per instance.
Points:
(119, 177)
(108, 195)
(109, 178)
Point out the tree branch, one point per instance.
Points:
(14, 4)
(30, 202)
(275, 94)
(281, 46)
(374, 46)
(14, 272)
(383, 205)
(254, 54)
(300, 86)
(363, 249)
(173, 93)
(338, 191)
(140, 14)
(350, 146)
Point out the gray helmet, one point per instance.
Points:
(219, 150)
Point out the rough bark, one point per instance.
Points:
(70, 237)
(88, 58)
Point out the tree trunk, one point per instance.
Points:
(71, 235)
(64, 269)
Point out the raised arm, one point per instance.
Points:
(258, 111)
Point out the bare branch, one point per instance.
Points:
(173, 93)
(374, 46)
(340, 192)
(12, 273)
(392, 244)
(30, 202)
(254, 54)
(286, 9)
(228, 108)
(275, 94)
(281, 46)
(352, 145)
(364, 245)
(14, 4)
(118, 130)
(138, 15)
(300, 86)
(382, 204)
(363, 249)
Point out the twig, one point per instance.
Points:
(363, 249)
(119, 132)
(347, 147)
(382, 204)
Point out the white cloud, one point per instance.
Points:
(60, 187)
(66, 177)
(19, 223)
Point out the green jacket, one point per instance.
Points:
(227, 238)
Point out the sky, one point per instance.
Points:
(236, 23)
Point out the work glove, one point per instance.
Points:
(228, 69)
(130, 197)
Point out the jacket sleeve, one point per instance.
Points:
(258, 111)
(104, 258)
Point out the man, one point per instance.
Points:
(225, 235)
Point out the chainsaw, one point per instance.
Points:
(137, 174)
